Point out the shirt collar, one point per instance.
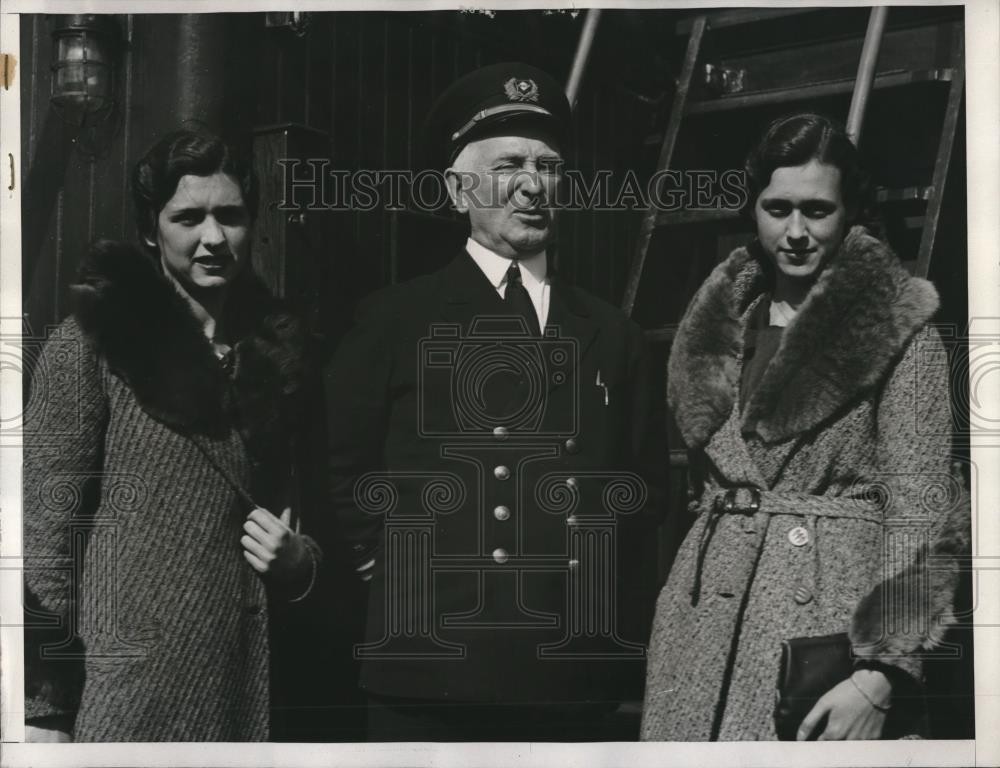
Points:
(494, 266)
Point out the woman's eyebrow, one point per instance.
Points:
(804, 201)
(187, 209)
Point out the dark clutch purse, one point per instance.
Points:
(810, 666)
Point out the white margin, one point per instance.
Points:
(982, 30)
(11, 616)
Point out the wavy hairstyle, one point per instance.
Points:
(197, 152)
(795, 140)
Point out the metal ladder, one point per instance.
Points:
(861, 88)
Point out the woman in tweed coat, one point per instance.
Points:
(813, 398)
(156, 473)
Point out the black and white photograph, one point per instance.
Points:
(424, 383)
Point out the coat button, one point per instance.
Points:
(572, 482)
(500, 433)
(574, 564)
(255, 610)
(500, 555)
(501, 472)
(802, 596)
(799, 536)
(501, 513)
(572, 446)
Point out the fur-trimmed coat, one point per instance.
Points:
(846, 439)
(142, 457)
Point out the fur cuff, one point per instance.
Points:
(918, 601)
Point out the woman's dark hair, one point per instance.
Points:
(797, 139)
(196, 152)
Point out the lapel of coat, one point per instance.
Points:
(855, 322)
(569, 318)
(468, 296)
(471, 302)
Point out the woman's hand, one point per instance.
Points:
(35, 735)
(272, 547)
(847, 711)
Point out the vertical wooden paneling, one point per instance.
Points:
(366, 80)
(125, 215)
(30, 33)
(320, 62)
(294, 78)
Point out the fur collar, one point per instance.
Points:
(850, 330)
(147, 334)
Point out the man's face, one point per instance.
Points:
(508, 184)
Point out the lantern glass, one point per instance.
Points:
(81, 72)
(79, 45)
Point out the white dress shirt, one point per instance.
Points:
(781, 313)
(534, 270)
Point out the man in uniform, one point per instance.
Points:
(495, 444)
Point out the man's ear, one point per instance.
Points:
(453, 180)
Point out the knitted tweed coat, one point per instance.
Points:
(847, 440)
(136, 442)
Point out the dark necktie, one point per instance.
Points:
(518, 301)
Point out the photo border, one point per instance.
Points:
(982, 31)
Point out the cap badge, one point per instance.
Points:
(521, 89)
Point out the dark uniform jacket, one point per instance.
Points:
(498, 481)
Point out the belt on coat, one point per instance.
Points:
(751, 501)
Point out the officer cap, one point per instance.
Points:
(511, 94)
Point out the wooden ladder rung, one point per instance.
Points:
(697, 216)
(732, 18)
(664, 334)
(678, 458)
(904, 194)
(748, 100)
(818, 90)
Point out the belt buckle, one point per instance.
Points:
(727, 502)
